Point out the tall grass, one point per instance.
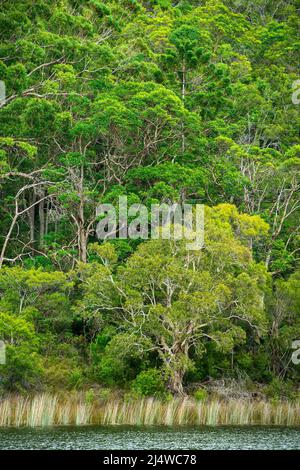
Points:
(50, 410)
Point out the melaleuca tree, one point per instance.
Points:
(178, 300)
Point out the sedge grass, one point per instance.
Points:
(51, 410)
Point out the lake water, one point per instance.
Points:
(125, 437)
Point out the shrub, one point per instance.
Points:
(149, 383)
(111, 371)
(116, 359)
(90, 397)
(76, 378)
(200, 394)
(23, 369)
(278, 390)
(104, 394)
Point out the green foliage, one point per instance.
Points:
(176, 102)
(279, 389)
(76, 378)
(116, 358)
(200, 394)
(184, 296)
(149, 383)
(90, 397)
(22, 369)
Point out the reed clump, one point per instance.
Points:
(51, 410)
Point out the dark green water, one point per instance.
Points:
(125, 437)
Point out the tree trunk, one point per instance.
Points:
(176, 359)
(42, 221)
(7, 238)
(31, 215)
(47, 218)
(175, 383)
(82, 235)
(82, 243)
(183, 92)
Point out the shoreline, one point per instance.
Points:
(47, 410)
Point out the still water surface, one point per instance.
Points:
(125, 437)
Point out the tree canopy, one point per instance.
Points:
(175, 102)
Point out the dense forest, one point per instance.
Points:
(161, 101)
